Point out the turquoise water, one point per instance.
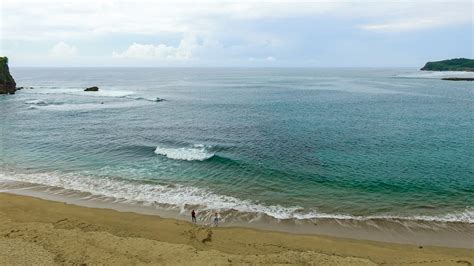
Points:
(288, 143)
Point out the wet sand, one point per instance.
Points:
(36, 231)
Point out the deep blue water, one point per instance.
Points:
(291, 143)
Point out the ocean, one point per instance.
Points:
(258, 145)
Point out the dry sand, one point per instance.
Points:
(35, 231)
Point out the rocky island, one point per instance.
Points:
(95, 88)
(456, 64)
(7, 83)
(458, 79)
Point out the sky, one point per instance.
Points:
(243, 33)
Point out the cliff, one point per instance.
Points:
(457, 64)
(7, 83)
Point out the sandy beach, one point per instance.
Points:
(36, 231)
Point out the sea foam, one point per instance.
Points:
(178, 196)
(36, 102)
(87, 106)
(196, 153)
(437, 74)
(80, 92)
(106, 93)
(181, 197)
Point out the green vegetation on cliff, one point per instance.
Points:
(7, 83)
(457, 64)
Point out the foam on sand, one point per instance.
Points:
(181, 197)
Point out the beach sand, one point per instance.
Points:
(36, 231)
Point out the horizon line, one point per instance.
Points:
(213, 67)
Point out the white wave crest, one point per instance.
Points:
(196, 153)
(148, 194)
(437, 74)
(36, 102)
(112, 93)
(80, 92)
(143, 98)
(87, 106)
(179, 196)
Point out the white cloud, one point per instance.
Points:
(63, 50)
(262, 60)
(414, 17)
(184, 51)
(270, 59)
(402, 25)
(233, 30)
(65, 20)
(46, 19)
(412, 24)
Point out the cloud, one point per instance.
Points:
(415, 17)
(262, 60)
(63, 50)
(52, 19)
(412, 24)
(184, 51)
(270, 59)
(46, 19)
(158, 32)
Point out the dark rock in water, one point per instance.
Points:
(459, 79)
(7, 83)
(92, 89)
(158, 99)
(26, 88)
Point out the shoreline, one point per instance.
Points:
(398, 231)
(42, 231)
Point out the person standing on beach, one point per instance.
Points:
(193, 216)
(216, 219)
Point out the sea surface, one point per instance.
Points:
(253, 144)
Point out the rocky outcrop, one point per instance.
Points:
(95, 88)
(459, 79)
(7, 83)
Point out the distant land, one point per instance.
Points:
(459, 79)
(456, 64)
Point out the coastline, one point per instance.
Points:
(450, 233)
(42, 231)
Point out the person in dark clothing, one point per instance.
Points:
(193, 216)
(216, 219)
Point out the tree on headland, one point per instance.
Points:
(456, 64)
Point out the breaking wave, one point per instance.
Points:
(436, 74)
(196, 153)
(36, 102)
(185, 197)
(81, 92)
(85, 106)
(106, 93)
